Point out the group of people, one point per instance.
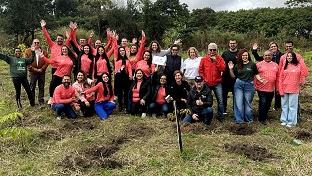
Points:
(142, 86)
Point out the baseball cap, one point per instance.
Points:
(199, 79)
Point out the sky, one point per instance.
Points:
(232, 5)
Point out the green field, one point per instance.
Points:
(35, 143)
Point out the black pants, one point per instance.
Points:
(17, 85)
(54, 83)
(277, 102)
(227, 86)
(121, 87)
(87, 111)
(41, 81)
(135, 108)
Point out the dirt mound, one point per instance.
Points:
(138, 130)
(253, 152)
(241, 129)
(50, 134)
(77, 125)
(195, 128)
(102, 151)
(117, 140)
(303, 135)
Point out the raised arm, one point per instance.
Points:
(46, 34)
(255, 53)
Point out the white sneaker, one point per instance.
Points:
(143, 115)
(154, 115)
(50, 101)
(58, 117)
(115, 98)
(225, 113)
(290, 126)
(284, 124)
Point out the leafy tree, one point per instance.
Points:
(292, 3)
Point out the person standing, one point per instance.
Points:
(55, 49)
(37, 71)
(277, 54)
(227, 81)
(245, 70)
(190, 65)
(268, 71)
(199, 102)
(211, 68)
(292, 78)
(63, 97)
(173, 63)
(18, 72)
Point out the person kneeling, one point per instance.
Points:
(158, 97)
(63, 97)
(104, 102)
(199, 102)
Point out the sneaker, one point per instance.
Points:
(154, 115)
(81, 113)
(50, 101)
(143, 115)
(283, 123)
(225, 113)
(290, 126)
(58, 118)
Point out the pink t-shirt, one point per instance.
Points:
(136, 92)
(161, 94)
(268, 71)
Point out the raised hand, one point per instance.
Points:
(91, 34)
(134, 40)
(231, 65)
(43, 23)
(67, 35)
(143, 33)
(255, 46)
(178, 41)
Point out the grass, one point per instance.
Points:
(129, 145)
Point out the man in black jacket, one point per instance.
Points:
(199, 102)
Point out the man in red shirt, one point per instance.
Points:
(211, 68)
(63, 97)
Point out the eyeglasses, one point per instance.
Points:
(212, 49)
(36, 42)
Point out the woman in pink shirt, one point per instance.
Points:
(135, 54)
(292, 77)
(268, 71)
(102, 64)
(160, 92)
(139, 93)
(146, 64)
(104, 102)
(85, 101)
(85, 61)
(65, 63)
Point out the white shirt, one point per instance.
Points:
(190, 67)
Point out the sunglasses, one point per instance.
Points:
(36, 42)
(212, 49)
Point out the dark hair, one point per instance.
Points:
(233, 39)
(133, 54)
(294, 59)
(120, 57)
(70, 55)
(60, 35)
(109, 85)
(174, 45)
(84, 80)
(67, 76)
(160, 78)
(17, 49)
(176, 72)
(135, 79)
(239, 57)
(158, 46)
(149, 62)
(106, 59)
(289, 41)
(90, 56)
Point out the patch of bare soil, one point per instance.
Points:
(305, 98)
(138, 130)
(253, 152)
(77, 125)
(50, 134)
(241, 129)
(194, 128)
(303, 135)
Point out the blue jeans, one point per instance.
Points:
(205, 116)
(66, 108)
(289, 108)
(265, 100)
(104, 108)
(154, 106)
(243, 96)
(217, 89)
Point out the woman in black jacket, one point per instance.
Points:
(161, 91)
(139, 93)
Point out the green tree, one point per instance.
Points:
(292, 3)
